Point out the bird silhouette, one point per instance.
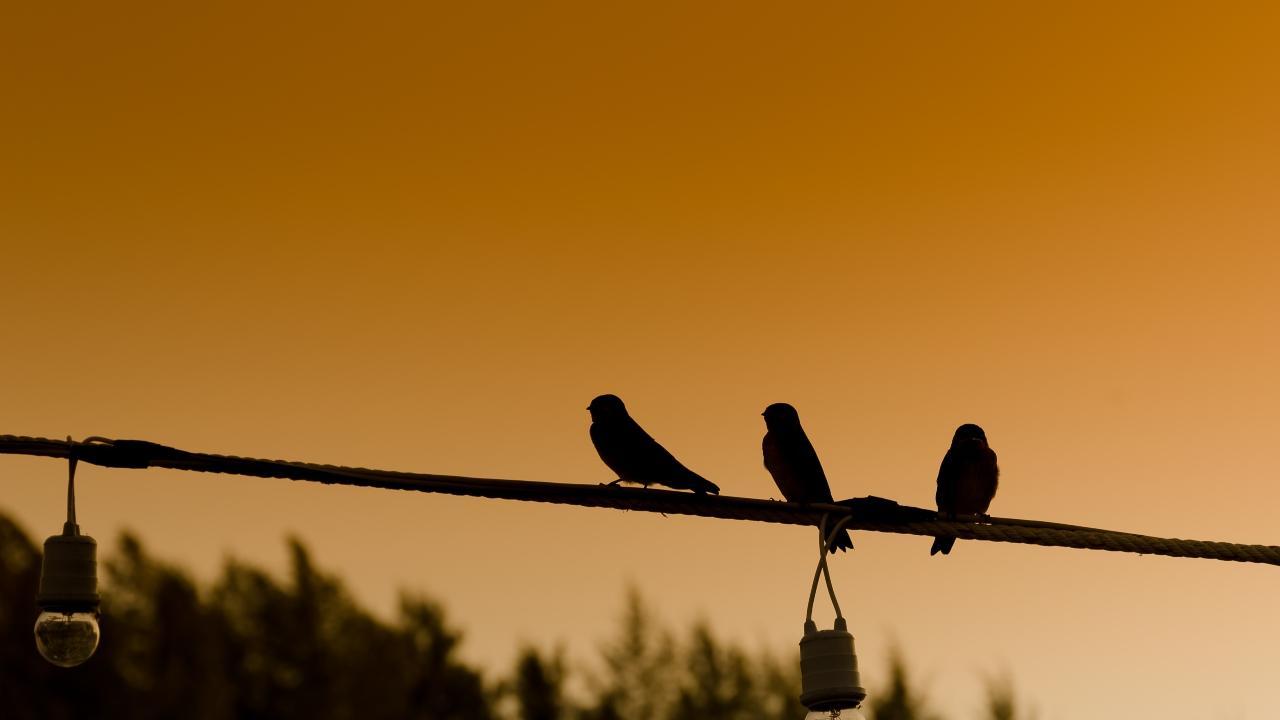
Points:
(791, 460)
(967, 479)
(636, 457)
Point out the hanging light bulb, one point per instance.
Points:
(67, 639)
(67, 627)
(830, 686)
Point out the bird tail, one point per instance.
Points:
(942, 545)
(843, 542)
(690, 480)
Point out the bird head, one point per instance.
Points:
(607, 406)
(969, 431)
(780, 415)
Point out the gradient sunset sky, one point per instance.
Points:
(423, 236)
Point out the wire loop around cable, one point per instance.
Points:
(71, 484)
(825, 543)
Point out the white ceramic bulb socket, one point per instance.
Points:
(829, 670)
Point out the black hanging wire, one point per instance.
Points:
(868, 513)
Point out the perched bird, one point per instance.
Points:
(967, 479)
(791, 460)
(629, 451)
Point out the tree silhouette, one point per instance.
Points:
(900, 700)
(538, 685)
(441, 687)
(638, 677)
(779, 687)
(22, 680)
(719, 681)
(1002, 702)
(166, 648)
(253, 647)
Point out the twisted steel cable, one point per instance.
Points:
(869, 513)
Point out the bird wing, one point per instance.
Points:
(991, 475)
(632, 453)
(775, 461)
(656, 460)
(948, 472)
(809, 467)
(971, 477)
(660, 466)
(611, 450)
(791, 460)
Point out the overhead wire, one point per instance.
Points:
(867, 513)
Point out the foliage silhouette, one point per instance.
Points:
(538, 686)
(638, 674)
(252, 647)
(1002, 701)
(900, 700)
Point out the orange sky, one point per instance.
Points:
(424, 237)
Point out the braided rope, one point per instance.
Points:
(870, 513)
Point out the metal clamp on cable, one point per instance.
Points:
(123, 453)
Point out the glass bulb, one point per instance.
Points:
(67, 639)
(846, 714)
